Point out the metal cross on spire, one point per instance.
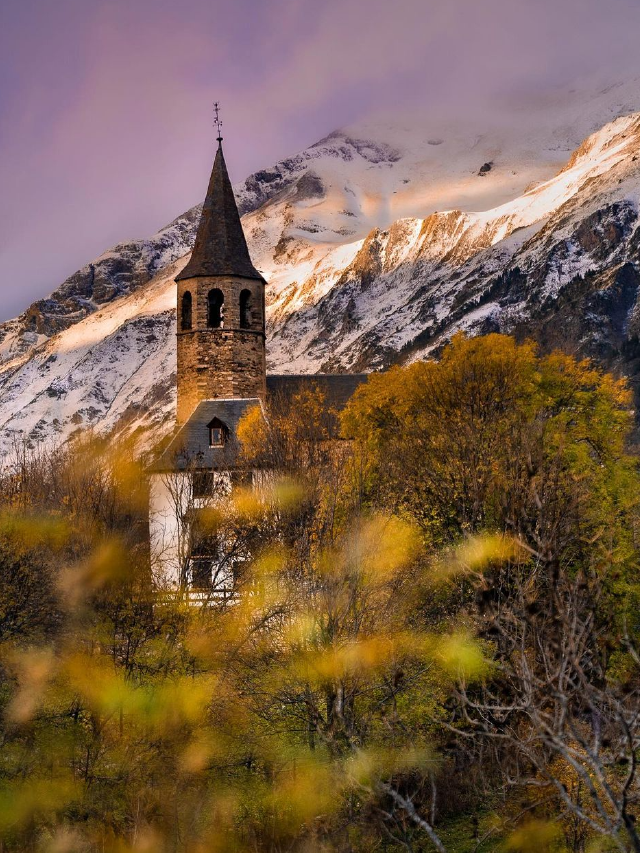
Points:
(217, 120)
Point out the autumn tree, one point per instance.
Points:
(435, 619)
(494, 437)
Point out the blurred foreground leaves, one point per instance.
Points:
(224, 726)
(319, 706)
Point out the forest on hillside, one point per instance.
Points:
(432, 642)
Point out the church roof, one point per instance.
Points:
(190, 448)
(220, 247)
(337, 388)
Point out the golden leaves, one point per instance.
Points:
(250, 721)
(109, 561)
(476, 553)
(32, 531)
(161, 708)
(535, 836)
(380, 547)
(34, 669)
(366, 766)
(461, 657)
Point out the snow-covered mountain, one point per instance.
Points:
(377, 242)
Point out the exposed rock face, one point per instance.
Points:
(556, 258)
(129, 266)
(117, 273)
(574, 238)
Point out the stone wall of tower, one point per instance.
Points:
(225, 362)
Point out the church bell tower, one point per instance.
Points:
(221, 307)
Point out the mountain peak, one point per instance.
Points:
(370, 260)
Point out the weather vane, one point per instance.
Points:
(217, 120)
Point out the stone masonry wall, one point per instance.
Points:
(225, 362)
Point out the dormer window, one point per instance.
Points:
(218, 433)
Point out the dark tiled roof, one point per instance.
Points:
(220, 247)
(190, 448)
(338, 388)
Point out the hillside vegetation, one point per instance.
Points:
(434, 643)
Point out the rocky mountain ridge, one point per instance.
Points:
(128, 266)
(353, 286)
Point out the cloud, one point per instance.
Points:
(106, 130)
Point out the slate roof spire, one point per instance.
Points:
(220, 247)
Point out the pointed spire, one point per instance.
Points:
(220, 247)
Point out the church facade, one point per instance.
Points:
(221, 375)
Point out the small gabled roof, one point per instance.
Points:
(190, 449)
(220, 247)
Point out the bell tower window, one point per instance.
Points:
(186, 311)
(245, 309)
(218, 433)
(215, 308)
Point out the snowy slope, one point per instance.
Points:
(116, 367)
(406, 281)
(377, 243)
(363, 177)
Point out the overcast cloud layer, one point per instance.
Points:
(105, 123)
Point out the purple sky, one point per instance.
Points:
(105, 122)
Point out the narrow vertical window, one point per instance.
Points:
(186, 311)
(215, 308)
(245, 309)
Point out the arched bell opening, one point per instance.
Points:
(186, 311)
(215, 308)
(245, 309)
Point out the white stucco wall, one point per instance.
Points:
(169, 501)
(171, 505)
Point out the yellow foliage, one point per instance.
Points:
(164, 707)
(287, 494)
(366, 766)
(461, 657)
(341, 661)
(302, 792)
(109, 561)
(535, 836)
(27, 531)
(382, 546)
(478, 552)
(255, 722)
(253, 434)
(34, 669)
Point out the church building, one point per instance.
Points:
(221, 374)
